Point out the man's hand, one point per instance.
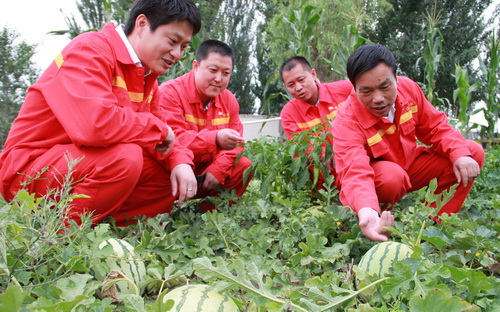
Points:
(228, 138)
(183, 182)
(167, 144)
(372, 225)
(466, 169)
(210, 182)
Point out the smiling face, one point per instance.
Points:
(301, 83)
(212, 75)
(158, 50)
(376, 89)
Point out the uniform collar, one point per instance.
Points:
(130, 49)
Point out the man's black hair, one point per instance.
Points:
(213, 46)
(367, 57)
(162, 12)
(290, 63)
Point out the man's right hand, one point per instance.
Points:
(228, 138)
(372, 225)
(167, 144)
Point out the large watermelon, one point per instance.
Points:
(123, 258)
(199, 298)
(380, 258)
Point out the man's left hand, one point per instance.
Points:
(466, 169)
(183, 182)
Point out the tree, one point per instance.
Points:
(315, 30)
(237, 21)
(95, 14)
(17, 73)
(403, 30)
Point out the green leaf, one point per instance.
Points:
(133, 303)
(438, 301)
(12, 299)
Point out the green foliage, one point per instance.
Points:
(463, 29)
(463, 95)
(17, 72)
(298, 252)
(285, 167)
(492, 87)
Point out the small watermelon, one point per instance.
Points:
(199, 298)
(380, 258)
(124, 260)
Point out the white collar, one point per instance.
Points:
(130, 49)
(392, 111)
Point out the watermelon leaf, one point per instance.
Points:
(246, 276)
(437, 300)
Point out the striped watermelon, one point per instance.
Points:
(379, 259)
(199, 298)
(123, 259)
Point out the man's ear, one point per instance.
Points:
(195, 64)
(141, 22)
(313, 73)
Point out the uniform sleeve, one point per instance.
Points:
(288, 122)
(199, 142)
(353, 168)
(81, 97)
(224, 159)
(433, 129)
(179, 154)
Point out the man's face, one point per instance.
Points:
(377, 89)
(301, 84)
(212, 75)
(160, 49)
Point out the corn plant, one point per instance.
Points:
(432, 57)
(351, 40)
(491, 93)
(462, 96)
(302, 23)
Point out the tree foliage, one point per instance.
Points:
(17, 72)
(462, 26)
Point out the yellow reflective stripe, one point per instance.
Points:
(380, 133)
(134, 96)
(332, 115)
(150, 98)
(59, 60)
(374, 139)
(408, 115)
(220, 121)
(119, 82)
(405, 117)
(195, 120)
(389, 130)
(316, 121)
(309, 124)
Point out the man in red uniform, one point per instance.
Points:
(97, 102)
(313, 104)
(377, 156)
(205, 118)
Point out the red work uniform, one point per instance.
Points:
(93, 103)
(297, 115)
(379, 161)
(196, 128)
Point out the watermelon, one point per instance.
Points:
(124, 260)
(380, 258)
(199, 298)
